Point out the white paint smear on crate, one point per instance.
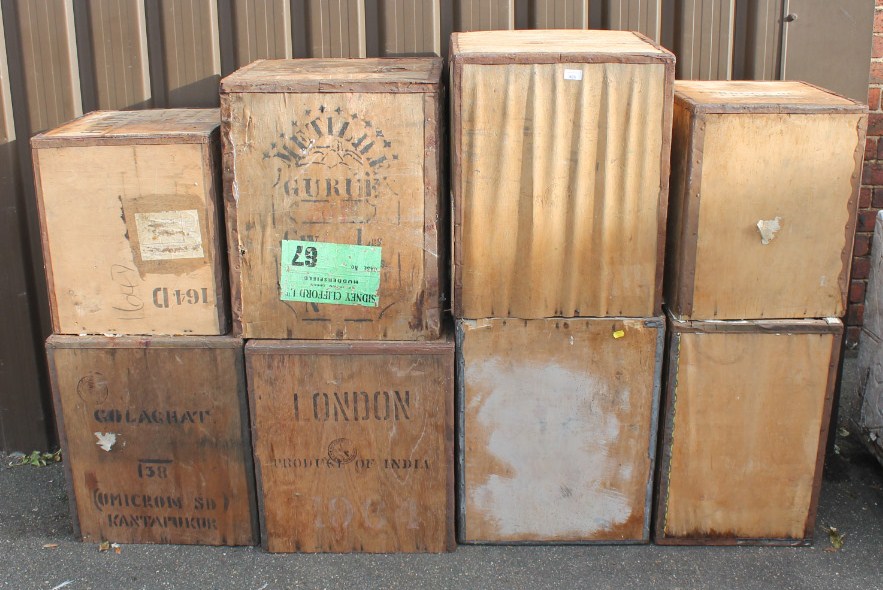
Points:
(553, 427)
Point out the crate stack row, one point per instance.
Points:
(149, 391)
(561, 150)
(249, 309)
(765, 180)
(325, 422)
(332, 173)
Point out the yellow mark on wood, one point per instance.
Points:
(619, 334)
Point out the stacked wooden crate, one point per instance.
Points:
(561, 144)
(765, 179)
(334, 209)
(149, 394)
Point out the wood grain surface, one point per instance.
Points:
(731, 171)
(560, 177)
(745, 427)
(347, 168)
(558, 431)
(131, 227)
(354, 445)
(155, 439)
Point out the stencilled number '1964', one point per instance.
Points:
(311, 255)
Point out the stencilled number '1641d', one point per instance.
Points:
(310, 253)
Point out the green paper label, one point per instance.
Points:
(319, 272)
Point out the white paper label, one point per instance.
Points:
(573, 74)
(169, 235)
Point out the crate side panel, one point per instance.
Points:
(794, 174)
(748, 410)
(155, 443)
(346, 169)
(131, 234)
(354, 451)
(559, 189)
(559, 426)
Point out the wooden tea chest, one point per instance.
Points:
(131, 223)
(333, 198)
(560, 154)
(354, 445)
(765, 181)
(744, 430)
(557, 429)
(155, 439)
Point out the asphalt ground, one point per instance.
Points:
(38, 551)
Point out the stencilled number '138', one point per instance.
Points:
(309, 253)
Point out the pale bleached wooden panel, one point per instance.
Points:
(188, 48)
(558, 14)
(380, 138)
(354, 445)
(748, 410)
(409, 27)
(182, 125)
(488, 43)
(644, 16)
(800, 168)
(113, 54)
(483, 15)
(558, 434)
(334, 28)
(559, 189)
(704, 39)
(719, 96)
(175, 465)
(261, 30)
(97, 202)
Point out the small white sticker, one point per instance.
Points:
(573, 74)
(169, 235)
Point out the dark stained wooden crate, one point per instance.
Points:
(557, 429)
(746, 416)
(353, 445)
(331, 160)
(155, 438)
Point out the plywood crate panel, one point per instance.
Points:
(745, 425)
(332, 172)
(354, 445)
(155, 438)
(765, 180)
(557, 429)
(131, 223)
(560, 148)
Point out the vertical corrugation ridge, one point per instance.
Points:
(581, 156)
(559, 192)
(602, 189)
(509, 145)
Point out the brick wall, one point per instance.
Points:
(871, 196)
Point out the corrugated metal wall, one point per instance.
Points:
(60, 58)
